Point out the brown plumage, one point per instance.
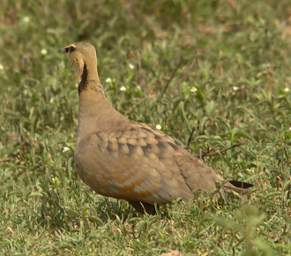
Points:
(128, 160)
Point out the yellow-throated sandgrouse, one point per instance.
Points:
(128, 160)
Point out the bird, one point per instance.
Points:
(123, 159)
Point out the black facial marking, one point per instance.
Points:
(69, 49)
(84, 79)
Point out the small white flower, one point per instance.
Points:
(108, 80)
(66, 149)
(43, 51)
(290, 128)
(51, 99)
(1, 67)
(76, 85)
(235, 88)
(26, 19)
(158, 127)
(193, 89)
(131, 66)
(122, 88)
(138, 87)
(286, 89)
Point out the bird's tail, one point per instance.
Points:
(238, 186)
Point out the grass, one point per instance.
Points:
(219, 70)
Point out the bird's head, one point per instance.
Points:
(82, 56)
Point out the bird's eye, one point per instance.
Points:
(70, 49)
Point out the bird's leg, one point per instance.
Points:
(143, 207)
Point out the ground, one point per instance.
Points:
(213, 74)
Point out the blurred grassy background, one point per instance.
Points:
(219, 70)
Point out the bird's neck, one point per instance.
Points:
(92, 101)
(91, 95)
(95, 111)
(89, 77)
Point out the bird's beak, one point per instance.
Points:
(62, 50)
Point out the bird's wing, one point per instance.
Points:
(137, 164)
